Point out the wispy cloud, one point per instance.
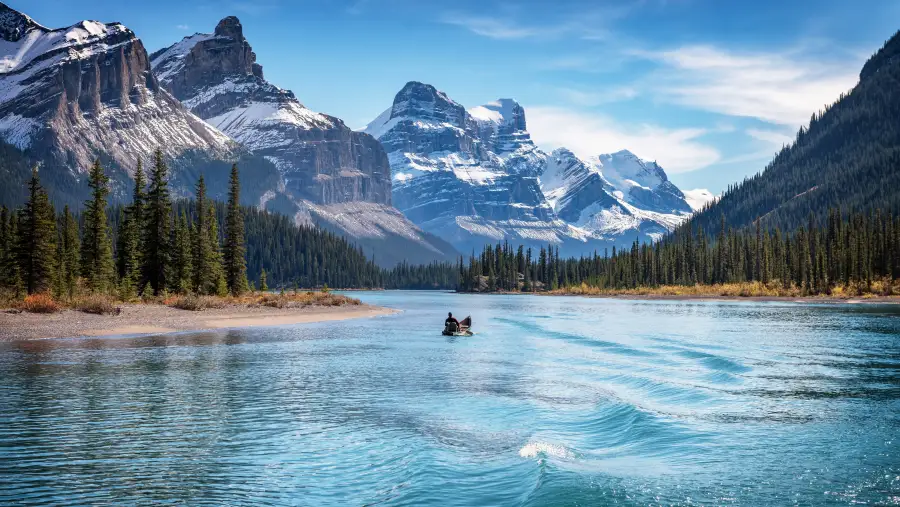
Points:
(676, 150)
(781, 88)
(182, 27)
(496, 28)
(598, 97)
(776, 139)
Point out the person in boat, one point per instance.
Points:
(451, 324)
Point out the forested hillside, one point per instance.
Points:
(848, 158)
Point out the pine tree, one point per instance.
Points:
(155, 255)
(263, 286)
(6, 248)
(217, 285)
(68, 256)
(235, 263)
(35, 248)
(204, 278)
(130, 239)
(180, 277)
(96, 249)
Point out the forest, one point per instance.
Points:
(850, 253)
(156, 245)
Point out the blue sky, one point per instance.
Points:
(710, 89)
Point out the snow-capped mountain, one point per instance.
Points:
(698, 198)
(327, 173)
(470, 177)
(475, 176)
(86, 91)
(613, 196)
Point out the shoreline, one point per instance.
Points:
(710, 297)
(145, 319)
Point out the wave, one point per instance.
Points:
(543, 449)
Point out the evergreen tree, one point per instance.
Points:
(130, 239)
(96, 249)
(68, 255)
(181, 275)
(35, 248)
(235, 263)
(263, 286)
(155, 255)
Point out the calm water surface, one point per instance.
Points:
(556, 401)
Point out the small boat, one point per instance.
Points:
(464, 328)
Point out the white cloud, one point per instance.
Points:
(596, 98)
(182, 27)
(781, 88)
(676, 150)
(494, 28)
(777, 139)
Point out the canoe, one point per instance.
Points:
(464, 326)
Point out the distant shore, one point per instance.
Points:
(143, 319)
(712, 297)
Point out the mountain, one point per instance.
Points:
(71, 95)
(848, 157)
(475, 176)
(471, 179)
(327, 173)
(613, 197)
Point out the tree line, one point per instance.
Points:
(156, 245)
(847, 250)
(156, 250)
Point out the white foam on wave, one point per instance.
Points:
(534, 449)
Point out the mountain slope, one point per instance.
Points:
(469, 178)
(327, 173)
(848, 156)
(73, 94)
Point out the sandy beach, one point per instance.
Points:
(143, 319)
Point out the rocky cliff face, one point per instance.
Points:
(470, 178)
(327, 173)
(321, 160)
(86, 91)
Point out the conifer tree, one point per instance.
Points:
(180, 278)
(96, 249)
(68, 256)
(35, 248)
(203, 277)
(263, 286)
(218, 285)
(235, 262)
(155, 255)
(129, 244)
(6, 243)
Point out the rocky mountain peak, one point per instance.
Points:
(230, 26)
(501, 112)
(14, 24)
(425, 102)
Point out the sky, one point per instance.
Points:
(710, 89)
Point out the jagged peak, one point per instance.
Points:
(563, 152)
(14, 24)
(230, 26)
(420, 89)
(501, 111)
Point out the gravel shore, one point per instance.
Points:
(137, 319)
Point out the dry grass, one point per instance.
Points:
(195, 303)
(97, 304)
(747, 289)
(39, 303)
(259, 299)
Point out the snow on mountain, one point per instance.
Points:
(613, 196)
(470, 177)
(327, 172)
(85, 91)
(698, 198)
(475, 176)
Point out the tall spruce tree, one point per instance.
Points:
(217, 286)
(155, 256)
(202, 250)
(96, 248)
(182, 271)
(130, 241)
(35, 248)
(6, 250)
(68, 254)
(234, 253)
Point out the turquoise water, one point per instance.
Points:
(556, 401)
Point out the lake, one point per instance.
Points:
(555, 401)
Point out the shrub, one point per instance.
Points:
(96, 304)
(195, 303)
(40, 303)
